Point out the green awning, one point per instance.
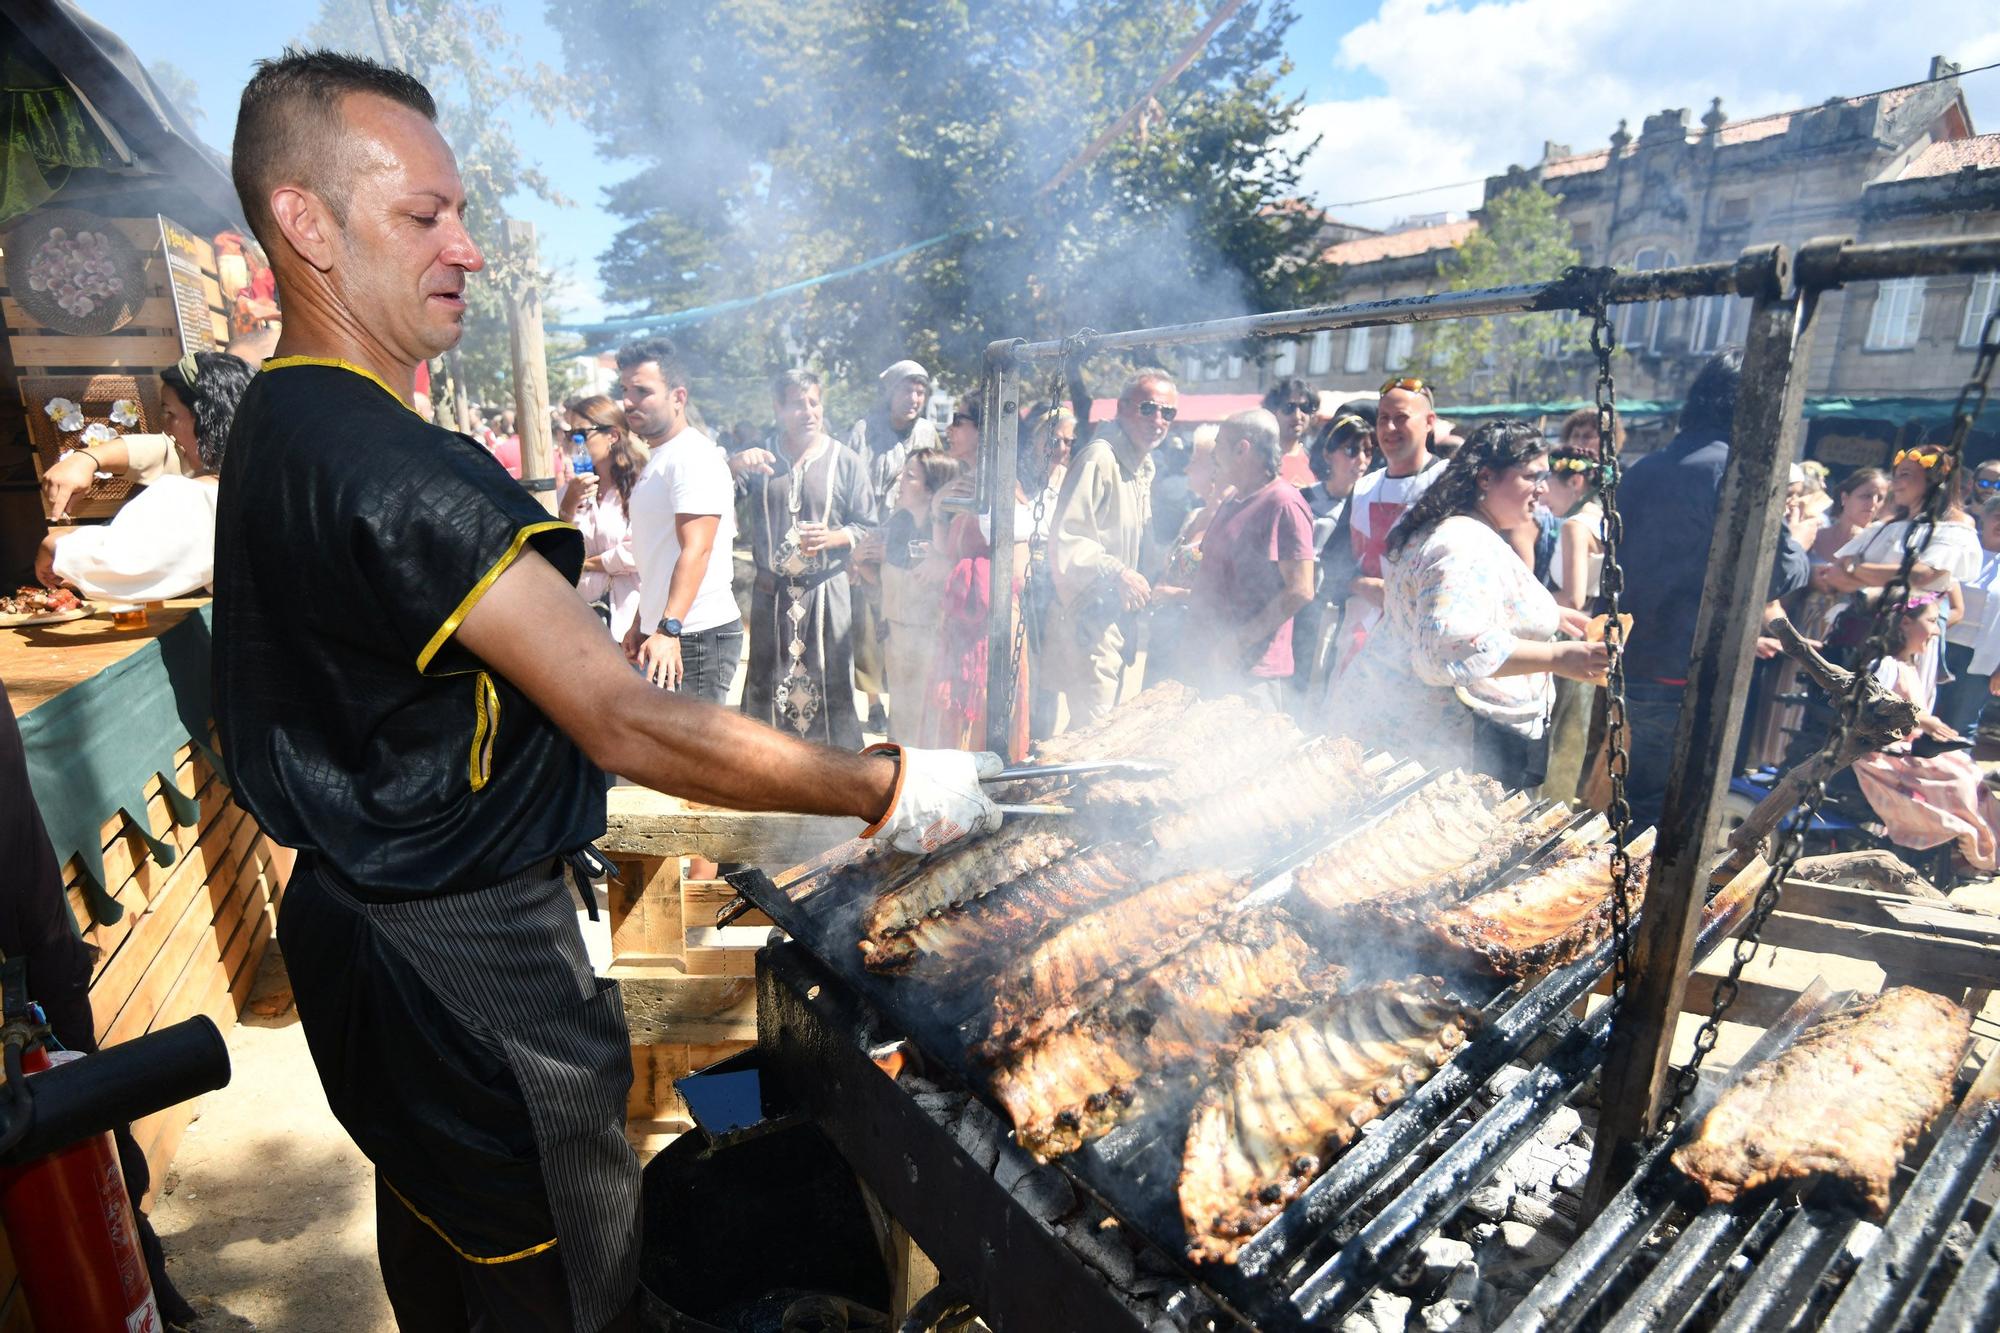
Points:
(1893, 409)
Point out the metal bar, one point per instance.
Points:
(1834, 261)
(1748, 513)
(1974, 1299)
(999, 437)
(1903, 1254)
(1570, 292)
(1683, 1277)
(1785, 1274)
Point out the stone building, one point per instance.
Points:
(1887, 359)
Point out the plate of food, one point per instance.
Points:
(41, 606)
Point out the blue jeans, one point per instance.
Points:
(1652, 713)
(709, 659)
(1960, 701)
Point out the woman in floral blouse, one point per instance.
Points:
(1460, 670)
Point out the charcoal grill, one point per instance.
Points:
(821, 1013)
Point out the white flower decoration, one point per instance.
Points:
(66, 415)
(98, 433)
(124, 412)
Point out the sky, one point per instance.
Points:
(1403, 95)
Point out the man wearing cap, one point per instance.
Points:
(1099, 532)
(884, 438)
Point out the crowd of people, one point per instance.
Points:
(1354, 562)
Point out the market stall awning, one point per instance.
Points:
(158, 152)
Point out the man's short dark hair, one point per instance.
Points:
(1711, 400)
(792, 381)
(289, 129)
(662, 353)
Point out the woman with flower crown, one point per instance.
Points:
(162, 543)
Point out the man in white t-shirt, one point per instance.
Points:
(689, 634)
(1405, 418)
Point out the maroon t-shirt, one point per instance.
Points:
(1239, 564)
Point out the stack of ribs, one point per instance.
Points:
(1552, 916)
(966, 872)
(1844, 1102)
(1076, 1083)
(1123, 734)
(1214, 744)
(1296, 1099)
(1433, 848)
(1312, 785)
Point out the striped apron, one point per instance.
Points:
(475, 1059)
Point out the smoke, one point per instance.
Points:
(780, 142)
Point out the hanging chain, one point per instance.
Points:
(1617, 732)
(1882, 641)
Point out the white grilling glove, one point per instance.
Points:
(938, 798)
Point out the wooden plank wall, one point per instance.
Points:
(190, 942)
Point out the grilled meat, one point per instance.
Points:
(1016, 914)
(1077, 1083)
(1206, 749)
(1435, 847)
(1123, 733)
(1546, 919)
(1316, 784)
(1082, 961)
(1297, 1097)
(962, 874)
(1845, 1101)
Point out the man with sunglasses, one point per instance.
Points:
(1294, 404)
(1405, 426)
(1099, 537)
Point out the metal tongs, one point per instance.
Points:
(1075, 769)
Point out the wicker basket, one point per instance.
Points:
(94, 394)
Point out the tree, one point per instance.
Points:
(1509, 358)
(788, 138)
(180, 90)
(464, 52)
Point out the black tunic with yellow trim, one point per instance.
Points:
(432, 944)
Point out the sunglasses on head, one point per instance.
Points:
(1409, 385)
(1150, 408)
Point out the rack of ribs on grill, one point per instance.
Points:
(961, 874)
(1549, 917)
(1215, 744)
(1078, 1082)
(1090, 955)
(1015, 914)
(1298, 1096)
(1845, 1101)
(1123, 734)
(1435, 847)
(1314, 785)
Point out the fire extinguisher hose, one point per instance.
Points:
(129, 1081)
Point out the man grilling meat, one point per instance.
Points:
(411, 694)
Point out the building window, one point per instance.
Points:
(1979, 306)
(1634, 323)
(1552, 347)
(1320, 360)
(1735, 210)
(1402, 338)
(1714, 323)
(1357, 350)
(1899, 313)
(1286, 363)
(1235, 368)
(1191, 367)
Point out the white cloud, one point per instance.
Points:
(1473, 89)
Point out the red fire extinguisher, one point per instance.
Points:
(74, 1240)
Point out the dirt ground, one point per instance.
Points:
(268, 1216)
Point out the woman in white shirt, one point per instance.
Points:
(161, 544)
(599, 502)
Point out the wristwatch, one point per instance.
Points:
(670, 627)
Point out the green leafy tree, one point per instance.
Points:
(1509, 358)
(788, 139)
(467, 56)
(180, 90)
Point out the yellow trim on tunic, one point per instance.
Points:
(335, 363)
(486, 580)
(485, 728)
(530, 1252)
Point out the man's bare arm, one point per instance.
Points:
(533, 629)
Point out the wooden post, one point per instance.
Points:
(1002, 412)
(1749, 510)
(531, 365)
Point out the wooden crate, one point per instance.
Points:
(689, 986)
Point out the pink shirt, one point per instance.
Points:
(607, 532)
